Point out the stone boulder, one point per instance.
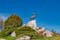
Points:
(48, 33)
(24, 38)
(13, 34)
(2, 39)
(32, 24)
(44, 32)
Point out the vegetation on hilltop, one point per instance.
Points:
(14, 23)
(11, 24)
(13, 20)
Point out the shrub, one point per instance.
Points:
(11, 24)
(13, 20)
(26, 31)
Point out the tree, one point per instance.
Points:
(13, 20)
(11, 24)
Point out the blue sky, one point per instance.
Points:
(48, 11)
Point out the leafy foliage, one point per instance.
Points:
(26, 30)
(7, 31)
(11, 24)
(13, 20)
(14, 23)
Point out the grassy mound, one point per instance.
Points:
(21, 31)
(25, 31)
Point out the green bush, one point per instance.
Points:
(11, 24)
(13, 20)
(26, 31)
(7, 31)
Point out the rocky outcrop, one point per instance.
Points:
(32, 24)
(48, 33)
(41, 30)
(13, 34)
(24, 38)
(44, 32)
(2, 39)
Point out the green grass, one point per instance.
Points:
(8, 38)
(36, 38)
(50, 38)
(28, 31)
